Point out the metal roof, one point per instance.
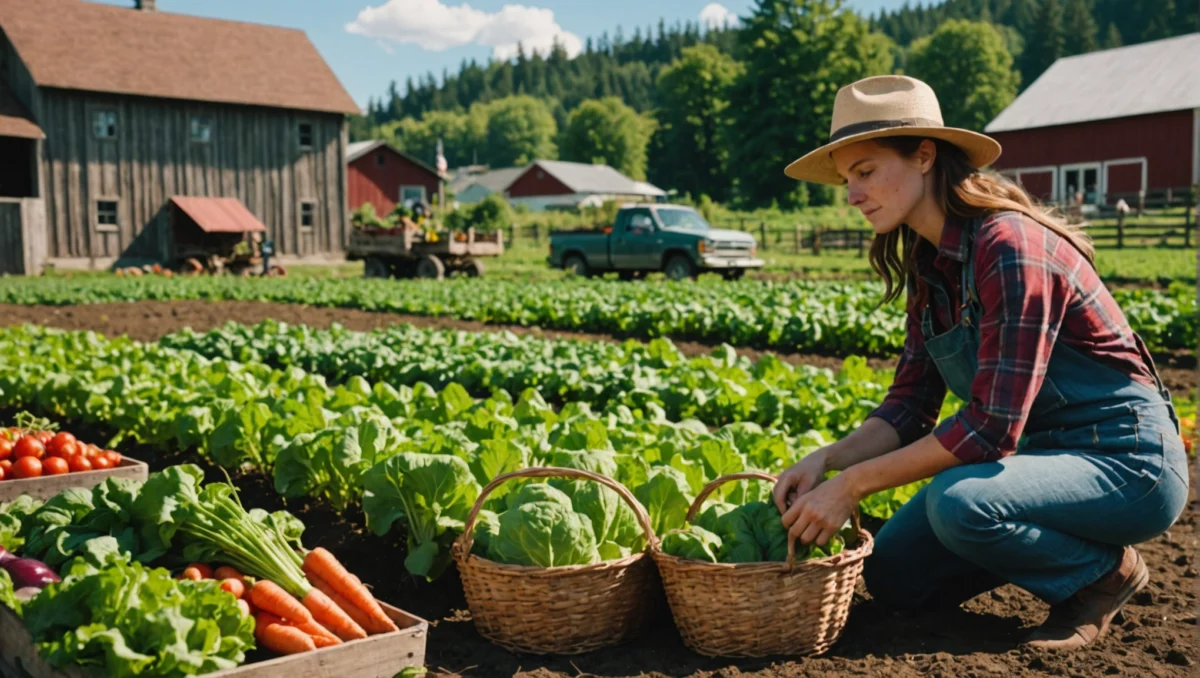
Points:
(585, 178)
(495, 181)
(1153, 77)
(78, 45)
(358, 149)
(219, 215)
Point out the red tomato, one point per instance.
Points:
(55, 466)
(27, 467)
(44, 436)
(6, 464)
(113, 457)
(68, 450)
(79, 463)
(2, 474)
(58, 443)
(92, 451)
(6, 448)
(101, 462)
(29, 446)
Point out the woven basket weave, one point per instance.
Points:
(558, 610)
(761, 609)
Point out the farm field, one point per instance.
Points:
(221, 416)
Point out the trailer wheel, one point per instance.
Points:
(576, 265)
(374, 267)
(473, 268)
(734, 274)
(431, 267)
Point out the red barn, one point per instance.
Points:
(381, 175)
(1107, 123)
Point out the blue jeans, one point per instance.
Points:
(1050, 519)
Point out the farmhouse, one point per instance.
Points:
(109, 113)
(556, 184)
(1109, 124)
(384, 176)
(471, 187)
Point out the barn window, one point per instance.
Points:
(106, 215)
(411, 195)
(380, 159)
(104, 124)
(308, 214)
(305, 134)
(201, 130)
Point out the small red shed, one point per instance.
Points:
(382, 175)
(1108, 123)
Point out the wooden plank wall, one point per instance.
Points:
(11, 261)
(22, 236)
(253, 155)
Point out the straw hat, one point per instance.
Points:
(887, 106)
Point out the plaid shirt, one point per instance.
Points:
(1036, 289)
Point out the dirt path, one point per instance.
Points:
(150, 320)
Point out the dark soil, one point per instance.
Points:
(150, 320)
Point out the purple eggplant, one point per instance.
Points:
(5, 556)
(29, 572)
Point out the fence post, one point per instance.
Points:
(798, 235)
(537, 232)
(762, 232)
(1141, 202)
(1120, 230)
(816, 247)
(742, 224)
(512, 234)
(1189, 211)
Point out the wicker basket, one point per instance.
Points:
(761, 609)
(558, 610)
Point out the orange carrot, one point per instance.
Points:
(267, 596)
(367, 623)
(190, 572)
(322, 563)
(325, 641)
(319, 632)
(234, 586)
(226, 572)
(327, 613)
(276, 636)
(205, 571)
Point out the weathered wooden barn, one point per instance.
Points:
(107, 113)
(1109, 124)
(383, 176)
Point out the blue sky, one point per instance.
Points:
(368, 43)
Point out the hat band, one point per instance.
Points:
(876, 125)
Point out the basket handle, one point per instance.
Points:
(754, 475)
(467, 539)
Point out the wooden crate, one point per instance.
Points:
(48, 486)
(378, 656)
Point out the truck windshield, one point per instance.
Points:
(686, 219)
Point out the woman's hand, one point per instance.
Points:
(815, 517)
(800, 478)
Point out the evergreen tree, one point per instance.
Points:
(1047, 42)
(1080, 28)
(1114, 37)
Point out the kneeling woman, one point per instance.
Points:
(1067, 450)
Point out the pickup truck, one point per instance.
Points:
(673, 239)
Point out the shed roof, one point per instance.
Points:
(219, 215)
(358, 149)
(15, 120)
(586, 178)
(495, 181)
(73, 44)
(1153, 77)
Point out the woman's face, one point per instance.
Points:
(884, 185)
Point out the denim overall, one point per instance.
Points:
(1101, 465)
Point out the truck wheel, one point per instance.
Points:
(734, 274)
(680, 267)
(431, 267)
(374, 267)
(473, 268)
(627, 275)
(576, 265)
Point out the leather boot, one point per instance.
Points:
(1083, 618)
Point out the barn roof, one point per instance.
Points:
(358, 149)
(15, 121)
(585, 178)
(1153, 77)
(495, 181)
(73, 44)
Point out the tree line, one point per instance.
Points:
(719, 113)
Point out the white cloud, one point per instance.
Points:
(435, 26)
(716, 15)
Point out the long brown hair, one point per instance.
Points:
(961, 191)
